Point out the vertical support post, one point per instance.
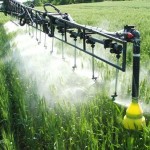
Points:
(136, 67)
(15, 9)
(52, 34)
(62, 46)
(6, 9)
(29, 29)
(45, 45)
(134, 118)
(116, 80)
(6, 6)
(52, 45)
(40, 34)
(26, 28)
(75, 54)
(36, 26)
(32, 31)
(93, 66)
(84, 39)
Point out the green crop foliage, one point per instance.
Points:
(28, 123)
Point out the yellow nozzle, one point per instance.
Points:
(134, 118)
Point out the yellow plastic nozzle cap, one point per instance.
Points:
(134, 118)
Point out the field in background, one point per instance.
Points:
(27, 123)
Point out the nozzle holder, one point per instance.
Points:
(90, 41)
(129, 28)
(107, 43)
(115, 48)
(73, 35)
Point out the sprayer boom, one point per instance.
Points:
(61, 26)
(55, 22)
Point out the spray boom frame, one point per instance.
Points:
(49, 22)
(61, 23)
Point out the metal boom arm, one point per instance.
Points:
(64, 24)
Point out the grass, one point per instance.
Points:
(27, 123)
(6, 135)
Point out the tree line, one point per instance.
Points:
(63, 2)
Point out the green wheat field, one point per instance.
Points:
(28, 123)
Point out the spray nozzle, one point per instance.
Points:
(115, 48)
(90, 40)
(114, 96)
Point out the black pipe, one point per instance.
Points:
(6, 6)
(136, 65)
